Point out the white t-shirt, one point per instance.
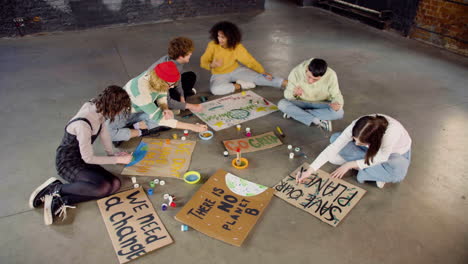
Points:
(395, 140)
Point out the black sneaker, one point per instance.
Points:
(154, 131)
(37, 196)
(117, 143)
(54, 207)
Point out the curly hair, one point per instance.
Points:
(156, 83)
(370, 130)
(230, 30)
(112, 101)
(180, 46)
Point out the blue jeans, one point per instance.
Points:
(309, 113)
(222, 83)
(119, 130)
(393, 170)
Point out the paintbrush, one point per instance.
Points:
(238, 160)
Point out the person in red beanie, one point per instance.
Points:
(180, 51)
(150, 113)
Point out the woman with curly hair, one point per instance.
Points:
(75, 159)
(222, 57)
(378, 146)
(150, 112)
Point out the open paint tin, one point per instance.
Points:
(192, 177)
(207, 135)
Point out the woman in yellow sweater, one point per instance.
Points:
(222, 57)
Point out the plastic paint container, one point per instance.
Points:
(207, 135)
(244, 163)
(192, 177)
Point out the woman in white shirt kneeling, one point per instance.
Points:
(378, 146)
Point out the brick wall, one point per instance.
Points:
(443, 23)
(53, 15)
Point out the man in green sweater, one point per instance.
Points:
(313, 95)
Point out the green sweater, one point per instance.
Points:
(143, 97)
(325, 89)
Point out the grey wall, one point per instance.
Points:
(52, 15)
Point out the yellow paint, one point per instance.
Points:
(219, 123)
(261, 108)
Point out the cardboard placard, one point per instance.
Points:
(161, 157)
(251, 144)
(133, 226)
(234, 109)
(226, 207)
(328, 199)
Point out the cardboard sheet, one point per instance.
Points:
(226, 207)
(234, 109)
(161, 157)
(328, 199)
(252, 144)
(133, 226)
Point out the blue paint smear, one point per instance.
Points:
(138, 154)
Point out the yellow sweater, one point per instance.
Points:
(230, 59)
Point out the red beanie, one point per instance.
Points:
(167, 71)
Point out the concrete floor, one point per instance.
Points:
(44, 80)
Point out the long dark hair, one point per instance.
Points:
(230, 30)
(370, 130)
(112, 101)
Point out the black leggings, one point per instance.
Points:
(188, 80)
(90, 184)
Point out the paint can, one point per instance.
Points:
(174, 136)
(151, 184)
(289, 147)
(183, 138)
(150, 191)
(136, 185)
(225, 153)
(166, 196)
(291, 155)
(164, 207)
(238, 127)
(133, 180)
(184, 228)
(156, 181)
(186, 133)
(297, 149)
(162, 182)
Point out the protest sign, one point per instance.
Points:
(133, 226)
(161, 157)
(226, 207)
(234, 109)
(251, 144)
(328, 199)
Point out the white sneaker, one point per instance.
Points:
(245, 85)
(326, 125)
(380, 184)
(286, 116)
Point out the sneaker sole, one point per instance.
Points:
(48, 217)
(40, 188)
